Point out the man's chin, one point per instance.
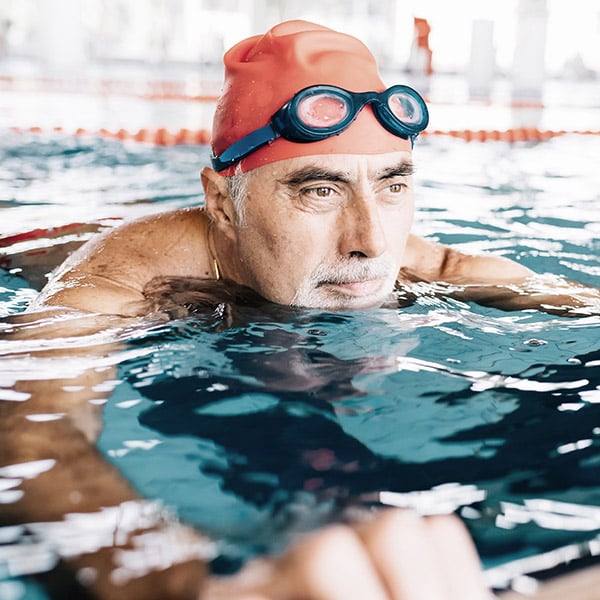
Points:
(340, 301)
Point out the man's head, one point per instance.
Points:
(314, 150)
(263, 73)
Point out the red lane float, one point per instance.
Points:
(57, 232)
(169, 90)
(33, 234)
(164, 137)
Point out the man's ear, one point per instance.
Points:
(218, 202)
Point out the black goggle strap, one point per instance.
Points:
(245, 146)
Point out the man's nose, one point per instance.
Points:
(362, 232)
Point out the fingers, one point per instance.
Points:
(396, 556)
(331, 564)
(334, 564)
(456, 559)
(399, 544)
(430, 557)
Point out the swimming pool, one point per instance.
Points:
(281, 420)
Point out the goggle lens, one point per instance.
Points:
(406, 108)
(322, 110)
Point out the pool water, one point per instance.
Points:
(280, 420)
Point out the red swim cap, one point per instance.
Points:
(265, 71)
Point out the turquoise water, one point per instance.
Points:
(283, 419)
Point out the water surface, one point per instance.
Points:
(281, 420)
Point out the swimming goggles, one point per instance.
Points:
(321, 111)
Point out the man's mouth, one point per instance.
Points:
(363, 287)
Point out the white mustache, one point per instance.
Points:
(351, 270)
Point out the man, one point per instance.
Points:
(310, 207)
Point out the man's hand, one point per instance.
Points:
(395, 556)
(180, 297)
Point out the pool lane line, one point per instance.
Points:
(162, 136)
(204, 89)
(156, 137)
(515, 134)
(177, 90)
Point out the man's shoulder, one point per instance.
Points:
(152, 234)
(162, 223)
(167, 243)
(110, 271)
(168, 238)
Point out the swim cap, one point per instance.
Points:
(263, 72)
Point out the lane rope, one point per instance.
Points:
(186, 91)
(165, 137)
(198, 90)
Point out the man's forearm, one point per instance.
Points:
(68, 497)
(494, 281)
(128, 547)
(552, 295)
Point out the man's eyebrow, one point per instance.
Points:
(307, 174)
(403, 169)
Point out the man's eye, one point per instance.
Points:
(320, 192)
(396, 188)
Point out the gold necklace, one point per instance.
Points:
(212, 252)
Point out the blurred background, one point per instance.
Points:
(72, 63)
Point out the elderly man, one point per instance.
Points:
(309, 203)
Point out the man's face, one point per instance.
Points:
(327, 231)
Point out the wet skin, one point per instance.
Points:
(330, 233)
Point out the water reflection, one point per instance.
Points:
(292, 415)
(287, 416)
(255, 422)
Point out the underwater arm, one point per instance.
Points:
(495, 281)
(138, 550)
(388, 558)
(124, 545)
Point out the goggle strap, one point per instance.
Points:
(244, 147)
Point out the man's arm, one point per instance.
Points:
(495, 281)
(107, 275)
(137, 551)
(390, 557)
(48, 449)
(429, 261)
